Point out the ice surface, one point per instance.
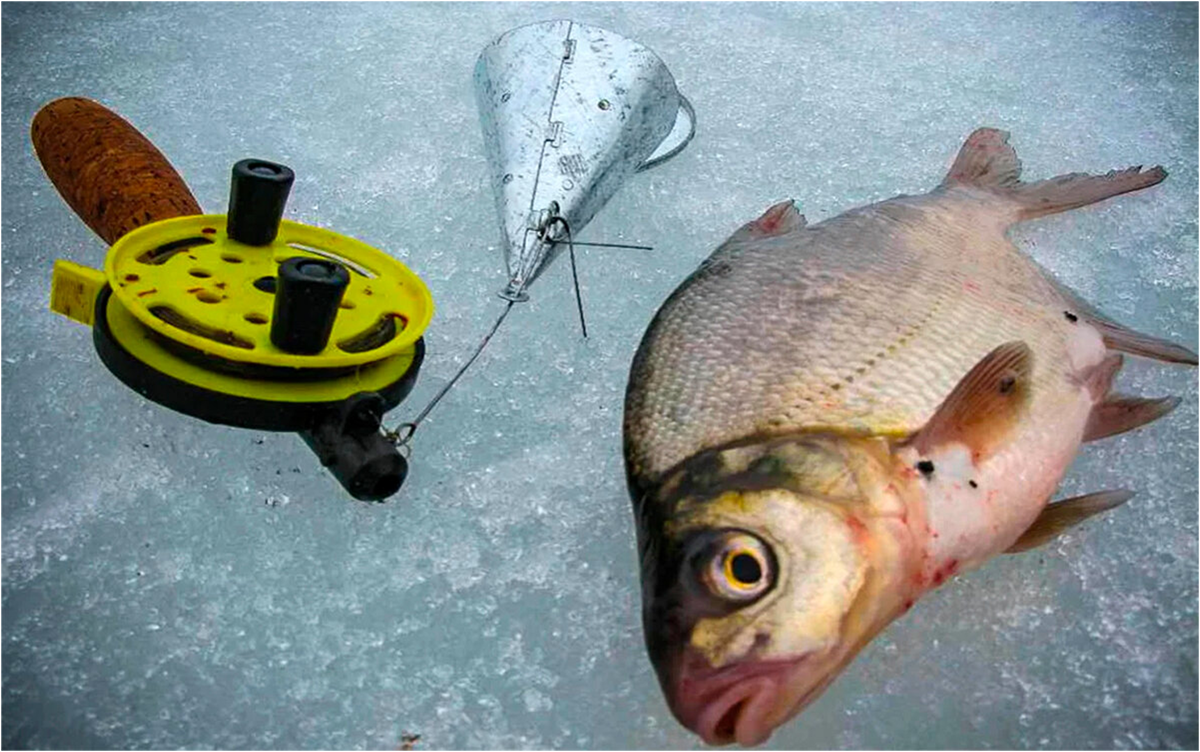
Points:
(167, 583)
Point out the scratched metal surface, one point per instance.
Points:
(569, 112)
(167, 583)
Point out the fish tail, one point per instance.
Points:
(987, 161)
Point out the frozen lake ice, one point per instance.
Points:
(169, 583)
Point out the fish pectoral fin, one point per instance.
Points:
(987, 161)
(1119, 413)
(1061, 516)
(984, 407)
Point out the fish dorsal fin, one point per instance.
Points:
(986, 160)
(984, 407)
(1116, 336)
(1061, 516)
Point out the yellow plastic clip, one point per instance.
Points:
(73, 290)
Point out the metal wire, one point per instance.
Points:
(574, 273)
(616, 245)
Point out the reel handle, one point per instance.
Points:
(107, 171)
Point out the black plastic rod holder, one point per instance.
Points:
(349, 442)
(308, 292)
(257, 194)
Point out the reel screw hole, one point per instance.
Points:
(201, 273)
(204, 296)
(266, 284)
(132, 278)
(209, 231)
(347, 304)
(263, 168)
(232, 258)
(256, 318)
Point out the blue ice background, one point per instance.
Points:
(168, 583)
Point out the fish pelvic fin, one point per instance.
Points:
(987, 161)
(1119, 413)
(983, 409)
(779, 219)
(1061, 516)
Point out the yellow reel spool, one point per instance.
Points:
(187, 280)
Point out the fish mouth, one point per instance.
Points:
(743, 702)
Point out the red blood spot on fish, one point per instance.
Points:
(970, 286)
(945, 572)
(908, 604)
(857, 528)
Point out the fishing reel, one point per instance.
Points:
(244, 319)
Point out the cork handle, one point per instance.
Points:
(108, 172)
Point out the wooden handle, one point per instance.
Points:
(108, 172)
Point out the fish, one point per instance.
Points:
(825, 422)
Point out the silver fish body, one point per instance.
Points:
(902, 378)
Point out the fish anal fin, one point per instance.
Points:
(1078, 189)
(986, 160)
(984, 407)
(1061, 516)
(1119, 413)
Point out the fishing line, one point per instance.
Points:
(402, 434)
(396, 436)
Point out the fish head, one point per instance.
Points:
(764, 573)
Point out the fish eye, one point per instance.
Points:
(739, 567)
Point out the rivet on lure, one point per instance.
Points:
(826, 421)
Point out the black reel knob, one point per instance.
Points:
(257, 195)
(307, 294)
